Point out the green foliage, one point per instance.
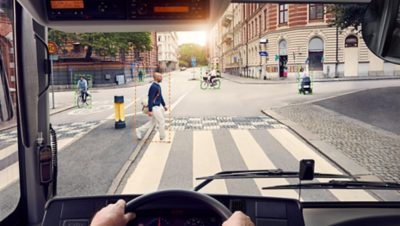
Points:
(183, 64)
(107, 44)
(186, 51)
(348, 15)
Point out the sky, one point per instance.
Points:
(197, 37)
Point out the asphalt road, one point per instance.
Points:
(377, 107)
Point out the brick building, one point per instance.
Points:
(293, 35)
(102, 70)
(7, 52)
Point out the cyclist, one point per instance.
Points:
(213, 75)
(114, 215)
(83, 88)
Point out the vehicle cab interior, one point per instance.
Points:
(39, 204)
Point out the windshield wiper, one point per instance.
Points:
(256, 174)
(334, 184)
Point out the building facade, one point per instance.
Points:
(167, 46)
(293, 36)
(7, 52)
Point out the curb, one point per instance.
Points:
(124, 169)
(62, 110)
(273, 82)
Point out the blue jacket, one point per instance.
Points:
(155, 96)
(82, 85)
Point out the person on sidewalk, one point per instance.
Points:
(156, 107)
(141, 75)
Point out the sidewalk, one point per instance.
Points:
(253, 81)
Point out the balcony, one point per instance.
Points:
(227, 19)
(227, 37)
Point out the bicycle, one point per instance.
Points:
(79, 100)
(205, 83)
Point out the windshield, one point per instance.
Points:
(265, 87)
(9, 172)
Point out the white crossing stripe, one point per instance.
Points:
(4, 153)
(147, 174)
(9, 175)
(256, 159)
(301, 151)
(206, 162)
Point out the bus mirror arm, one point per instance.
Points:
(47, 64)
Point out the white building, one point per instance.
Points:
(167, 47)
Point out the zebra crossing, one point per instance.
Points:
(196, 153)
(66, 134)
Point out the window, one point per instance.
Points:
(9, 171)
(316, 12)
(283, 48)
(259, 27)
(265, 19)
(256, 28)
(316, 54)
(351, 41)
(283, 13)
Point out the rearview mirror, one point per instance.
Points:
(381, 29)
(6, 107)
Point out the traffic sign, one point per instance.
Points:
(54, 57)
(52, 47)
(263, 53)
(194, 61)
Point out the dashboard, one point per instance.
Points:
(263, 211)
(176, 212)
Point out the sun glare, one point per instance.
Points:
(197, 37)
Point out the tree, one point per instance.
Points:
(187, 51)
(109, 44)
(347, 15)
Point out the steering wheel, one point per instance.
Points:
(211, 203)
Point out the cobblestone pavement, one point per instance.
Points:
(372, 148)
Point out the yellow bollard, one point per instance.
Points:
(119, 110)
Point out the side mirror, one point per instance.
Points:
(6, 107)
(381, 29)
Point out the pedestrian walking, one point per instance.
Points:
(156, 108)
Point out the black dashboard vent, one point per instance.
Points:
(237, 205)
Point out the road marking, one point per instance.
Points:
(301, 151)
(206, 162)
(255, 159)
(9, 175)
(147, 174)
(4, 153)
(167, 112)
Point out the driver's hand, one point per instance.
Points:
(113, 215)
(238, 219)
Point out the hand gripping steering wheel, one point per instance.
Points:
(211, 203)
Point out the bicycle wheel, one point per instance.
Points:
(79, 101)
(203, 85)
(89, 101)
(217, 84)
